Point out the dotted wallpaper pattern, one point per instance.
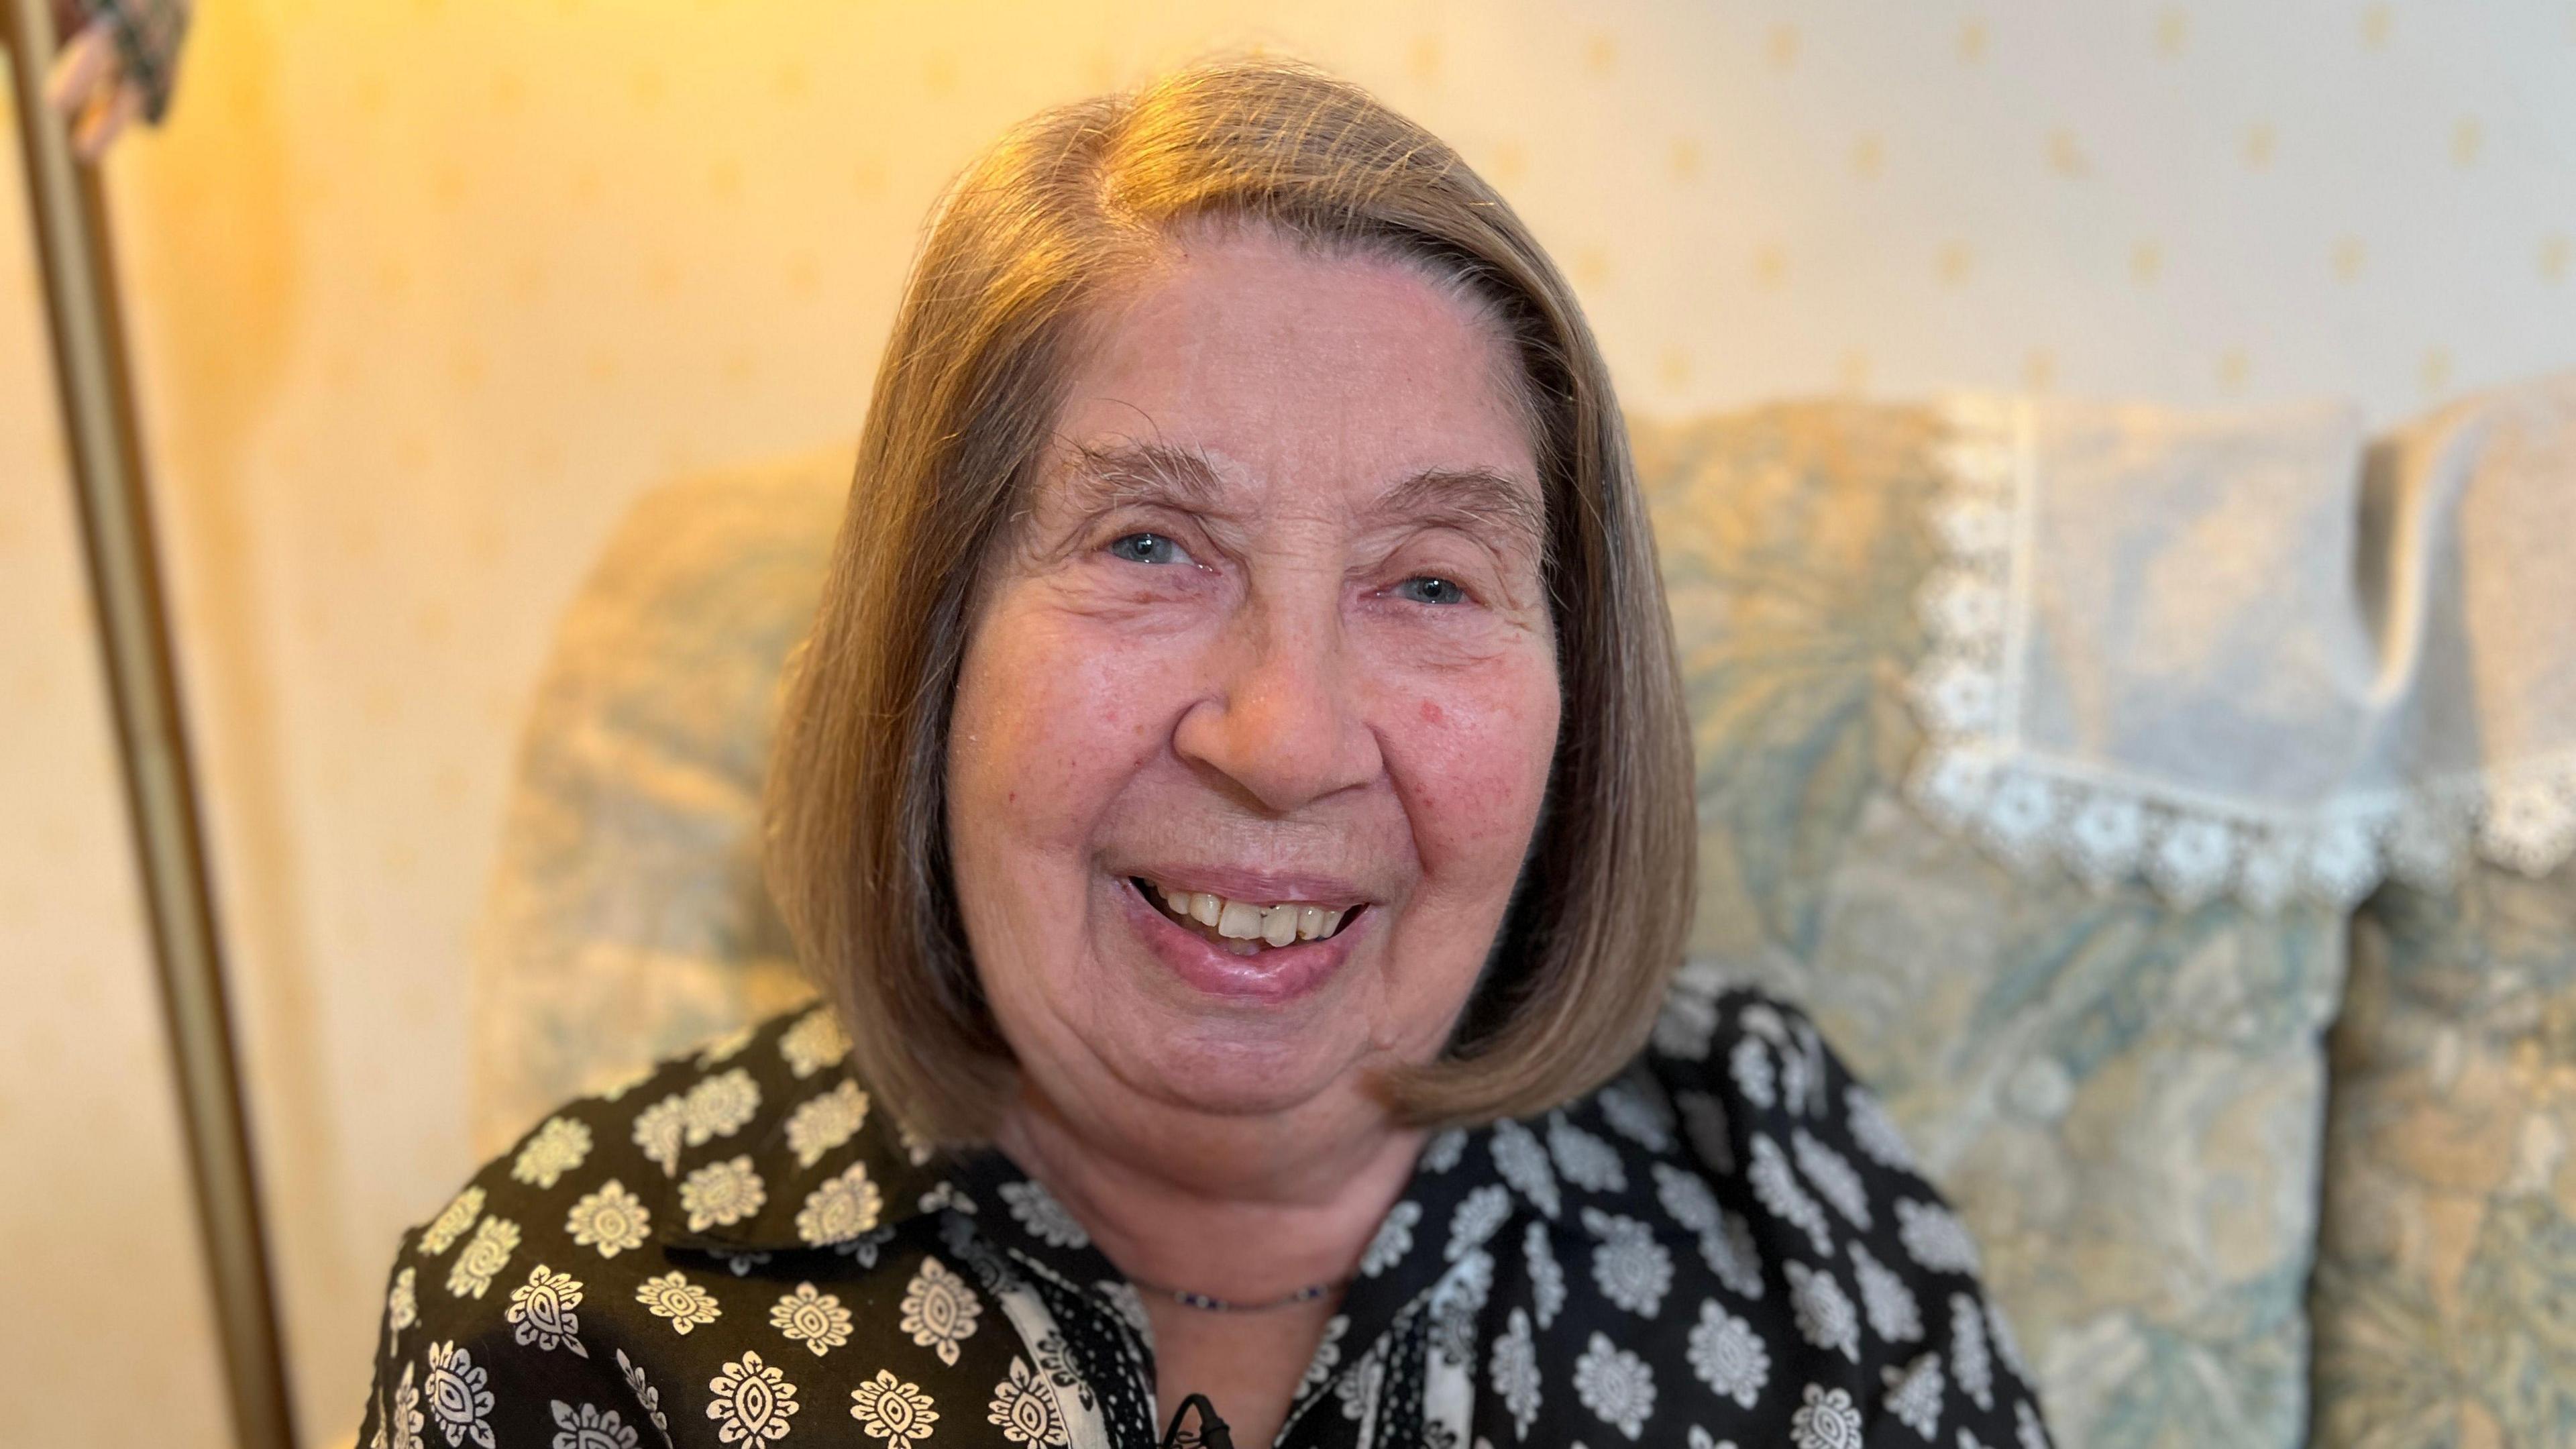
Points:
(424, 292)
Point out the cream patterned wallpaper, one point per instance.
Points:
(426, 291)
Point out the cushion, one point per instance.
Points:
(2122, 1095)
(2445, 1295)
(626, 919)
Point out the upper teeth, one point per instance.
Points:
(1247, 920)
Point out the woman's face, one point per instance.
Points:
(1270, 653)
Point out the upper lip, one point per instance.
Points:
(1267, 887)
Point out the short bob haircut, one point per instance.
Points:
(1059, 215)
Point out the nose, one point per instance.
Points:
(1284, 721)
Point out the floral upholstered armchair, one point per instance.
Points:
(2167, 813)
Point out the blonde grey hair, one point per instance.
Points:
(1061, 212)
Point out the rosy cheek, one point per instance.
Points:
(1070, 714)
(1478, 764)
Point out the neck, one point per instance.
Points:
(1177, 1205)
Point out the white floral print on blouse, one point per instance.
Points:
(1730, 1245)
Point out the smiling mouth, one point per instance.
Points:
(1247, 928)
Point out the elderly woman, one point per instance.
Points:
(1237, 802)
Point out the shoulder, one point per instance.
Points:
(1763, 1099)
(1743, 1064)
(759, 1108)
(1880, 1298)
(519, 1299)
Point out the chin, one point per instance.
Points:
(1212, 1068)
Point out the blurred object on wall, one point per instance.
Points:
(119, 62)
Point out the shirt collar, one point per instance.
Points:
(872, 1185)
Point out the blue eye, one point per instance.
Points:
(1147, 548)
(1431, 591)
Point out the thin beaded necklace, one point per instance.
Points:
(1213, 1304)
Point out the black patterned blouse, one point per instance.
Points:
(1728, 1245)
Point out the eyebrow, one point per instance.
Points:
(1134, 472)
(1473, 500)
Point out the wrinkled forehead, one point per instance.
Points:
(1250, 367)
(1407, 276)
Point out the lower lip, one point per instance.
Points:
(1273, 975)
